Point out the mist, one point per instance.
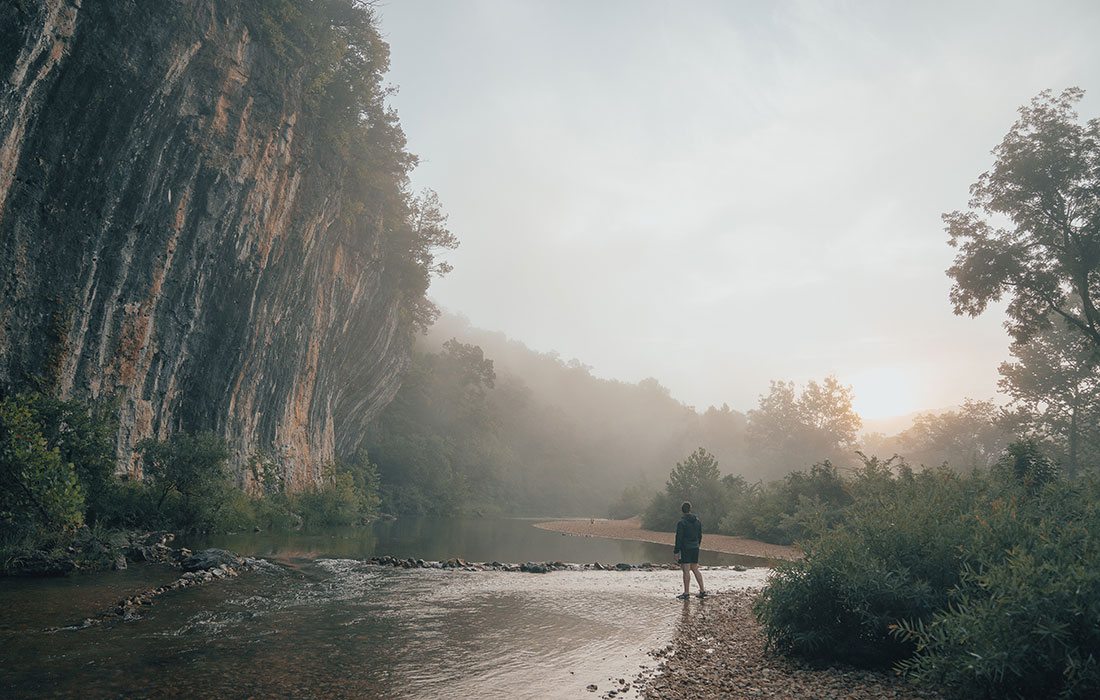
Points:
(722, 194)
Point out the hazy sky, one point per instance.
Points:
(717, 194)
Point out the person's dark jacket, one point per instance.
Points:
(689, 533)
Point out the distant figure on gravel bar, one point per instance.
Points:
(689, 535)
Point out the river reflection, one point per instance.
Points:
(474, 539)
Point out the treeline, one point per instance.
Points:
(484, 423)
(469, 432)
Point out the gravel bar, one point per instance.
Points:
(631, 529)
(718, 652)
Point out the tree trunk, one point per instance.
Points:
(1071, 466)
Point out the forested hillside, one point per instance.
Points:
(483, 422)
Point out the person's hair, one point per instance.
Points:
(686, 507)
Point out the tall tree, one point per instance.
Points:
(1055, 382)
(792, 430)
(972, 437)
(694, 477)
(1032, 232)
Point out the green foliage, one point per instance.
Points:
(1025, 465)
(786, 511)
(334, 503)
(695, 479)
(1022, 621)
(53, 451)
(984, 584)
(350, 495)
(435, 444)
(188, 478)
(1032, 233)
(84, 435)
(1055, 388)
(790, 429)
(893, 557)
(969, 438)
(39, 491)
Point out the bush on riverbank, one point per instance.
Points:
(188, 487)
(41, 492)
(781, 512)
(57, 473)
(987, 584)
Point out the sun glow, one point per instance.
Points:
(884, 392)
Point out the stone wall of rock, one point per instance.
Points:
(164, 242)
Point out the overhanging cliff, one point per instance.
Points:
(176, 233)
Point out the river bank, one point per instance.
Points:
(718, 652)
(631, 529)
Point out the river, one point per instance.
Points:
(321, 623)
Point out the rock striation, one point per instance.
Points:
(166, 242)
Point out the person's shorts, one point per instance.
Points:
(689, 556)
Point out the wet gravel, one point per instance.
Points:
(718, 652)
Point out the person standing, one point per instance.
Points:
(689, 536)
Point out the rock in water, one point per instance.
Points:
(210, 559)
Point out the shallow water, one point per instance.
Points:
(325, 625)
(473, 539)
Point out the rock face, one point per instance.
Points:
(164, 242)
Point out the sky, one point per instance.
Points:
(719, 194)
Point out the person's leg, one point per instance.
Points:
(687, 577)
(698, 576)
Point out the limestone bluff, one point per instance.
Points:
(178, 234)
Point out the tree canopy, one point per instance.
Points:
(971, 437)
(1054, 383)
(791, 430)
(1032, 231)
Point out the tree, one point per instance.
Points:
(1032, 231)
(1024, 464)
(970, 438)
(84, 434)
(695, 477)
(1055, 383)
(39, 491)
(435, 443)
(191, 468)
(789, 430)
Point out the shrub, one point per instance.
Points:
(1022, 620)
(786, 511)
(39, 491)
(985, 585)
(895, 557)
(662, 512)
(84, 434)
(335, 503)
(187, 474)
